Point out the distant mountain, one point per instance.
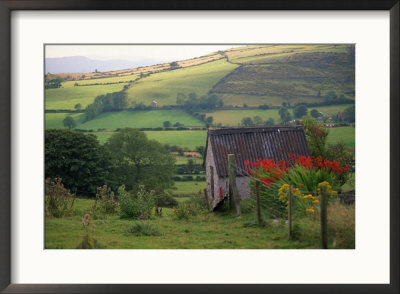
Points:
(81, 64)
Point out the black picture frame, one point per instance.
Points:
(6, 7)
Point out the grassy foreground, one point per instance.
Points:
(203, 231)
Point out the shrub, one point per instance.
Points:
(58, 200)
(133, 207)
(165, 200)
(185, 210)
(144, 229)
(105, 202)
(87, 241)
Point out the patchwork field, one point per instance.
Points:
(163, 87)
(234, 117)
(140, 119)
(117, 79)
(274, 53)
(67, 98)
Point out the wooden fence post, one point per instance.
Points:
(324, 219)
(259, 217)
(232, 183)
(290, 212)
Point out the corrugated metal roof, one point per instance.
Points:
(254, 143)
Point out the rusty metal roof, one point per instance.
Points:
(253, 143)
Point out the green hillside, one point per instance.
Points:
(274, 74)
(119, 79)
(67, 98)
(163, 87)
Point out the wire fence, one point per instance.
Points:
(330, 218)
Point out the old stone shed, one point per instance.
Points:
(246, 144)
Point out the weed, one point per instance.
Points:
(144, 229)
(59, 201)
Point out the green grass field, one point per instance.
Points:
(204, 231)
(234, 117)
(139, 119)
(345, 134)
(184, 160)
(189, 187)
(67, 98)
(163, 87)
(129, 78)
(189, 139)
(55, 120)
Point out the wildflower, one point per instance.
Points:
(316, 201)
(307, 196)
(310, 210)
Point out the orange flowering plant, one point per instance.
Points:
(303, 173)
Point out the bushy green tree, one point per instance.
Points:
(285, 115)
(247, 122)
(69, 122)
(299, 111)
(350, 113)
(77, 158)
(257, 120)
(139, 161)
(331, 95)
(315, 113)
(269, 122)
(316, 135)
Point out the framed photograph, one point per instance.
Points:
(199, 147)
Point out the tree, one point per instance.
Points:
(330, 96)
(315, 113)
(200, 149)
(258, 120)
(316, 135)
(174, 64)
(247, 122)
(285, 115)
(350, 114)
(139, 161)
(69, 122)
(77, 158)
(54, 83)
(299, 111)
(167, 124)
(264, 106)
(190, 165)
(209, 119)
(269, 122)
(78, 106)
(180, 98)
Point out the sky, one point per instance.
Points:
(165, 53)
